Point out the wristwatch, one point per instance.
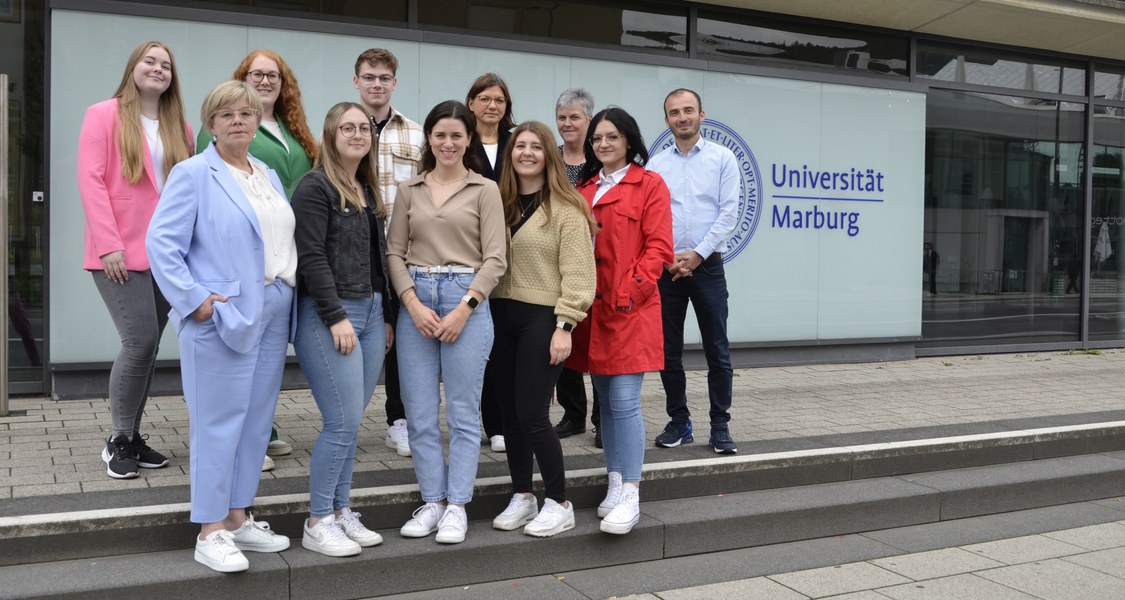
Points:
(563, 325)
(471, 301)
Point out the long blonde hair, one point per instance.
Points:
(170, 112)
(328, 161)
(556, 186)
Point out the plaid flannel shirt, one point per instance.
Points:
(400, 155)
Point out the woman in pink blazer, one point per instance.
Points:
(126, 147)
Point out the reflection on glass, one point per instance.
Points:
(384, 10)
(619, 23)
(1003, 209)
(1109, 84)
(985, 67)
(1107, 226)
(736, 37)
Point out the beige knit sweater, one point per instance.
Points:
(551, 264)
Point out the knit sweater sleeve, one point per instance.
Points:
(576, 266)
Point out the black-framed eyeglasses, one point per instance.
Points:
(258, 76)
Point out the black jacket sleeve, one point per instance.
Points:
(312, 201)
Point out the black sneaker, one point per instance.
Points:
(147, 457)
(118, 457)
(598, 437)
(721, 442)
(675, 434)
(568, 427)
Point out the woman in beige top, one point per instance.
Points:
(446, 251)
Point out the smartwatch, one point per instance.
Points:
(471, 301)
(563, 325)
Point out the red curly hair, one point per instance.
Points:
(288, 108)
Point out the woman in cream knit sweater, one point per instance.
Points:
(546, 290)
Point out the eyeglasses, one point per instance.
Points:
(371, 79)
(612, 139)
(245, 114)
(499, 101)
(258, 76)
(349, 130)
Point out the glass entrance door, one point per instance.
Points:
(22, 61)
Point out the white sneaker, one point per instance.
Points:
(552, 520)
(328, 538)
(521, 510)
(453, 526)
(267, 464)
(218, 552)
(612, 495)
(356, 532)
(278, 448)
(255, 536)
(424, 521)
(625, 515)
(398, 438)
(497, 443)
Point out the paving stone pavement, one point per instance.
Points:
(53, 447)
(1087, 563)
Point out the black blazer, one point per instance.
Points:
(501, 157)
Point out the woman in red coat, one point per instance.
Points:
(623, 336)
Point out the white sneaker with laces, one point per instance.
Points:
(552, 520)
(424, 521)
(496, 442)
(267, 464)
(255, 536)
(278, 448)
(398, 438)
(453, 526)
(218, 552)
(625, 515)
(329, 539)
(355, 530)
(612, 495)
(521, 510)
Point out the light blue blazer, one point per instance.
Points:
(204, 238)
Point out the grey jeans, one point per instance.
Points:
(139, 312)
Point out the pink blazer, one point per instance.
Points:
(117, 212)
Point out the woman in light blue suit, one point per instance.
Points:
(222, 251)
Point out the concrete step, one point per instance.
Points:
(153, 520)
(669, 528)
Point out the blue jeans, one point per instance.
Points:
(622, 427)
(425, 362)
(342, 386)
(706, 289)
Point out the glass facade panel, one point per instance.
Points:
(634, 24)
(1109, 84)
(383, 10)
(736, 37)
(22, 56)
(1004, 205)
(985, 67)
(1107, 228)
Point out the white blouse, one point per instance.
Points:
(275, 218)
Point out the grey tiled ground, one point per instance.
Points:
(953, 574)
(54, 447)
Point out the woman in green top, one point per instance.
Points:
(284, 141)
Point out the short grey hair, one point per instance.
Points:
(580, 96)
(229, 93)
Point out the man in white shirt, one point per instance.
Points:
(398, 142)
(704, 182)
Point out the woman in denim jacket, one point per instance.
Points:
(343, 316)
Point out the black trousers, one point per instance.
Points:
(395, 410)
(523, 379)
(571, 394)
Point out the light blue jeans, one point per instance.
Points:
(342, 386)
(423, 363)
(622, 427)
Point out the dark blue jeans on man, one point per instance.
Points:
(706, 289)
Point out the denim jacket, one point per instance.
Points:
(334, 249)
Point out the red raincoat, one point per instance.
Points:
(623, 332)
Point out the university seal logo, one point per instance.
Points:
(749, 196)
